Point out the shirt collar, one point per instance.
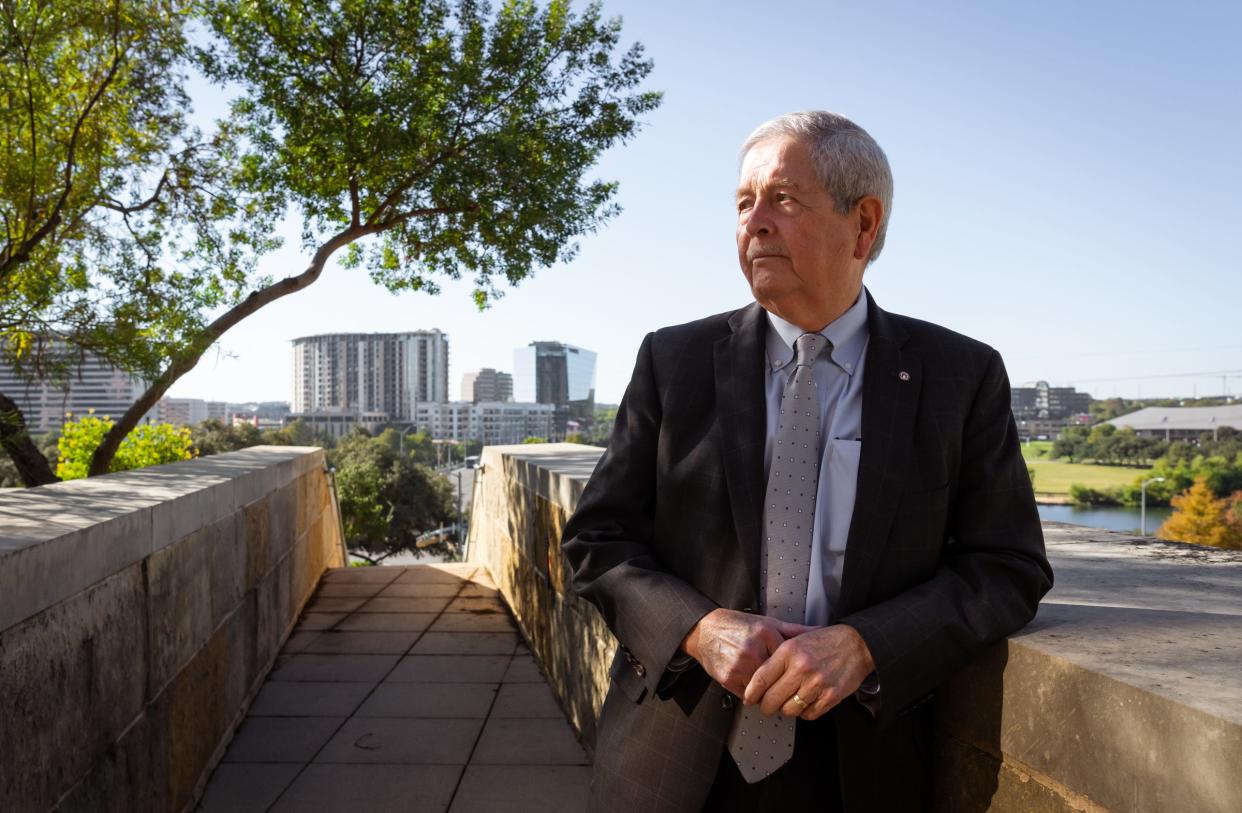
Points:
(848, 334)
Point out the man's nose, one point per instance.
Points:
(759, 220)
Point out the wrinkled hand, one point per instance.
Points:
(822, 665)
(731, 645)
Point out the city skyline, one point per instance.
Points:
(1064, 192)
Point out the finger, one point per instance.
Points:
(798, 703)
(764, 676)
(789, 629)
(779, 695)
(823, 704)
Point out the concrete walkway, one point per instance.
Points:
(403, 689)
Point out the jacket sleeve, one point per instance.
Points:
(608, 540)
(993, 570)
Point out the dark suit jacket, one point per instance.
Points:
(945, 552)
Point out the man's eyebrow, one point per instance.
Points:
(768, 183)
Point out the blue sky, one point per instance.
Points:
(1067, 189)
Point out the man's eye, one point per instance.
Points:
(783, 197)
(743, 205)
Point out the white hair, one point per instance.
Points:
(849, 162)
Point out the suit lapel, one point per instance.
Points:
(892, 380)
(741, 402)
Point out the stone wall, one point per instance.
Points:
(1124, 694)
(139, 613)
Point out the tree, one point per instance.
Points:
(449, 138)
(120, 224)
(1200, 518)
(151, 444)
(386, 499)
(458, 141)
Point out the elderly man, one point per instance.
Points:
(811, 513)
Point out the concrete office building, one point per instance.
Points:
(558, 374)
(1037, 400)
(486, 385)
(1181, 423)
(93, 385)
(191, 411)
(495, 423)
(370, 373)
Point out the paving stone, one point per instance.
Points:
(463, 700)
(388, 622)
(280, 739)
(449, 669)
(466, 643)
(527, 700)
(246, 788)
(420, 590)
(528, 742)
(403, 740)
(298, 640)
(319, 621)
(361, 643)
(360, 668)
(339, 604)
(404, 604)
(347, 589)
(479, 591)
(470, 622)
(523, 669)
(429, 574)
(361, 574)
(522, 789)
(371, 788)
(475, 604)
(287, 698)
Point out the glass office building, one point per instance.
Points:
(559, 374)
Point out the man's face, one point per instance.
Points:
(797, 253)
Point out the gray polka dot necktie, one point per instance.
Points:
(759, 744)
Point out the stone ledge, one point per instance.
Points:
(59, 539)
(1122, 694)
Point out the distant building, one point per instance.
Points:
(338, 424)
(94, 385)
(191, 411)
(486, 385)
(370, 372)
(1037, 400)
(494, 423)
(1181, 423)
(558, 374)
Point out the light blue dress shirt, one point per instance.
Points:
(839, 384)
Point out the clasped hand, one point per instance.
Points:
(768, 662)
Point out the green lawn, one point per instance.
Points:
(1055, 476)
(1037, 449)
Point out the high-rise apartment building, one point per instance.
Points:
(486, 385)
(558, 374)
(92, 386)
(386, 373)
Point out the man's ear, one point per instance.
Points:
(870, 212)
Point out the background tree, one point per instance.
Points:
(151, 444)
(387, 500)
(456, 139)
(120, 222)
(1200, 518)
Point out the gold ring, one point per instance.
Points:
(799, 700)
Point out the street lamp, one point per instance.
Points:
(1143, 504)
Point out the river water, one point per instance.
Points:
(1110, 518)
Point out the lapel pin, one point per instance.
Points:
(903, 375)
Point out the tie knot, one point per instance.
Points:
(808, 347)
